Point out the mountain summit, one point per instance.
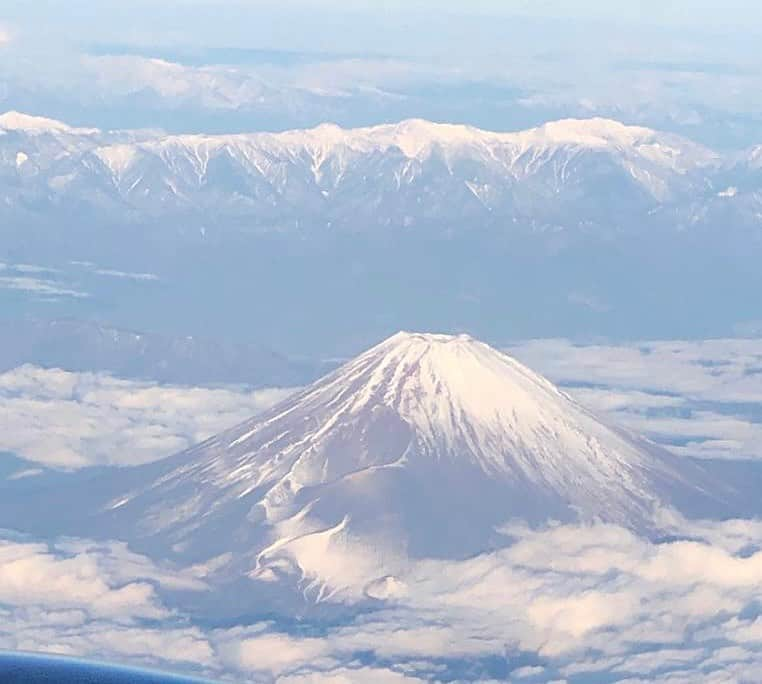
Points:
(423, 446)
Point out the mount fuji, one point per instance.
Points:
(425, 446)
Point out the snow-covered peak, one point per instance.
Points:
(415, 136)
(18, 121)
(467, 400)
(595, 132)
(405, 338)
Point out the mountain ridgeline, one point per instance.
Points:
(563, 175)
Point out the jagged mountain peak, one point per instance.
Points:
(593, 132)
(413, 137)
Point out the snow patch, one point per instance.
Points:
(17, 121)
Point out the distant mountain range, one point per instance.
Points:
(563, 175)
(89, 346)
(578, 227)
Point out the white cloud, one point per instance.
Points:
(347, 675)
(126, 275)
(716, 370)
(73, 633)
(40, 286)
(41, 281)
(273, 653)
(31, 268)
(77, 597)
(100, 580)
(77, 419)
(108, 272)
(583, 599)
(695, 395)
(580, 599)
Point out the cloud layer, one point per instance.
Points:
(76, 597)
(74, 420)
(700, 398)
(562, 604)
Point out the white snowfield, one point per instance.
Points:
(424, 446)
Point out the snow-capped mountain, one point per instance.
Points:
(421, 447)
(402, 175)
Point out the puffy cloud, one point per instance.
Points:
(178, 646)
(347, 675)
(563, 602)
(700, 398)
(78, 597)
(271, 652)
(582, 599)
(714, 370)
(101, 580)
(76, 419)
